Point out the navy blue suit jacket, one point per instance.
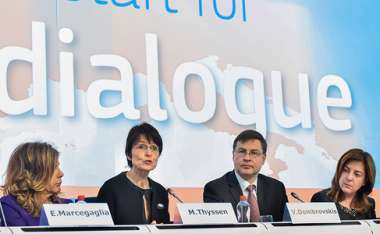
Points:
(271, 193)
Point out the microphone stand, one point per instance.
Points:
(172, 193)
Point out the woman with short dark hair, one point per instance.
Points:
(353, 181)
(33, 177)
(132, 197)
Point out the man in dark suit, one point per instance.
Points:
(249, 153)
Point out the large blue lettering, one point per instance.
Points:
(216, 7)
(228, 17)
(217, 10)
(125, 4)
(168, 9)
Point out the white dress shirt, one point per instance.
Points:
(244, 184)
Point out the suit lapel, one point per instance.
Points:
(234, 186)
(260, 192)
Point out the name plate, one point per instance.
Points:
(76, 214)
(206, 213)
(313, 212)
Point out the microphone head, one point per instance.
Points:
(294, 194)
(172, 193)
(169, 190)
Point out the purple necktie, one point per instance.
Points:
(254, 206)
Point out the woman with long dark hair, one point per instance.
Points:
(353, 181)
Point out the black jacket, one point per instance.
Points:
(322, 196)
(125, 201)
(271, 193)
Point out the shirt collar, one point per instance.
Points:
(244, 183)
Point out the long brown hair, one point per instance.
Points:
(30, 169)
(360, 202)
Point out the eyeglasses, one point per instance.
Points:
(145, 147)
(241, 152)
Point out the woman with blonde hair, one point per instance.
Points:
(350, 188)
(33, 177)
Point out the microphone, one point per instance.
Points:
(296, 196)
(171, 192)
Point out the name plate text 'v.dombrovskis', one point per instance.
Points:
(317, 212)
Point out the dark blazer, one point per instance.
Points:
(125, 201)
(322, 196)
(271, 193)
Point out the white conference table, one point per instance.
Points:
(346, 227)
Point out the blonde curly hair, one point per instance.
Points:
(30, 169)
